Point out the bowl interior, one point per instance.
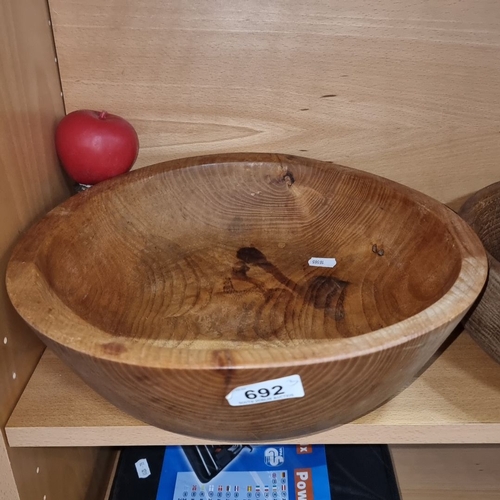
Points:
(220, 252)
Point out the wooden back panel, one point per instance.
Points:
(408, 89)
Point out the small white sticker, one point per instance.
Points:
(267, 391)
(142, 467)
(322, 262)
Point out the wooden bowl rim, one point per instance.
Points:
(74, 333)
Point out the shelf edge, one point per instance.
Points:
(484, 433)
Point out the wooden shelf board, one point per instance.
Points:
(455, 400)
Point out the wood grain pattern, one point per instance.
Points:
(456, 400)
(448, 472)
(401, 88)
(482, 212)
(62, 473)
(169, 287)
(8, 488)
(30, 182)
(409, 108)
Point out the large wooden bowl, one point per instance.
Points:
(169, 287)
(482, 212)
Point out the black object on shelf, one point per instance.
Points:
(208, 461)
(127, 485)
(355, 472)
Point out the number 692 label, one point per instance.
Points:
(267, 391)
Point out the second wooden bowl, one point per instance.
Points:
(198, 294)
(482, 212)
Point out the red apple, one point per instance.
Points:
(94, 146)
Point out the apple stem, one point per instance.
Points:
(102, 115)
